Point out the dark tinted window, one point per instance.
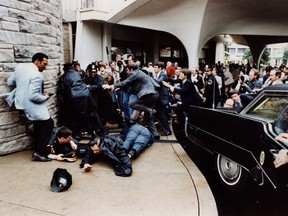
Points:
(269, 107)
(281, 122)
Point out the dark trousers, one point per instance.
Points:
(162, 116)
(181, 115)
(91, 123)
(107, 109)
(42, 132)
(145, 103)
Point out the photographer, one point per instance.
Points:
(242, 79)
(120, 63)
(254, 84)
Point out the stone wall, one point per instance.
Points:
(27, 27)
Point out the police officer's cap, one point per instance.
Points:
(61, 180)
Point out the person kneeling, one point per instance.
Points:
(64, 148)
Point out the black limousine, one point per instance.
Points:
(243, 142)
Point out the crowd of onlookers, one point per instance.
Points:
(248, 82)
(135, 97)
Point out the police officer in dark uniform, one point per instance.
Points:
(211, 92)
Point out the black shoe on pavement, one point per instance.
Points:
(38, 157)
(157, 137)
(132, 154)
(166, 134)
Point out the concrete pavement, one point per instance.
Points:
(164, 182)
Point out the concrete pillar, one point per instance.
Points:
(79, 25)
(106, 42)
(193, 61)
(219, 53)
(88, 46)
(77, 51)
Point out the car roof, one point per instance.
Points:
(279, 87)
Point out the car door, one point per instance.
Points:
(246, 137)
(230, 134)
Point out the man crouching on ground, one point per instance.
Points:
(64, 148)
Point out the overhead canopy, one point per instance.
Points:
(253, 23)
(195, 22)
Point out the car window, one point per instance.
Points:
(281, 122)
(268, 107)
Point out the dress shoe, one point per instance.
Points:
(152, 112)
(38, 157)
(132, 154)
(166, 134)
(156, 137)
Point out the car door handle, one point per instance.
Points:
(274, 152)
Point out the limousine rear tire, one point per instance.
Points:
(233, 177)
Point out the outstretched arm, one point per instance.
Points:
(281, 158)
(168, 86)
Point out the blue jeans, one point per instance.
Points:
(125, 105)
(138, 138)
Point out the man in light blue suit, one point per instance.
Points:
(29, 97)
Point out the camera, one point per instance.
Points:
(119, 64)
(241, 79)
